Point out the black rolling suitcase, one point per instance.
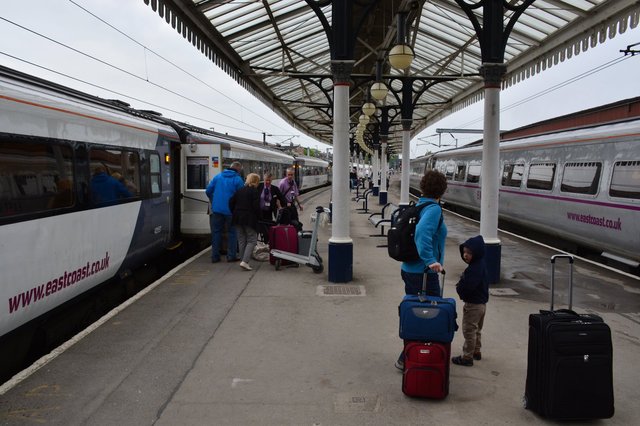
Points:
(569, 362)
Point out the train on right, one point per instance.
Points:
(574, 178)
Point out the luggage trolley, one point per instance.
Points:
(312, 259)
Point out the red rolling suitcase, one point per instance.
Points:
(426, 369)
(569, 362)
(285, 238)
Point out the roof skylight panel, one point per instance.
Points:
(225, 17)
(584, 5)
(241, 22)
(251, 49)
(540, 10)
(536, 29)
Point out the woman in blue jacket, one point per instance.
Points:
(430, 236)
(431, 233)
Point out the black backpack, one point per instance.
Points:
(401, 244)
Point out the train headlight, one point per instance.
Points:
(167, 158)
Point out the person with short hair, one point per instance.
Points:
(245, 212)
(353, 178)
(430, 235)
(220, 190)
(289, 189)
(271, 200)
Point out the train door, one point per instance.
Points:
(200, 162)
(157, 209)
(298, 173)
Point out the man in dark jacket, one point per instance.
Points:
(473, 289)
(220, 190)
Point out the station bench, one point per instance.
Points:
(365, 200)
(386, 216)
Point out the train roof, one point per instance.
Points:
(620, 111)
(311, 161)
(573, 136)
(36, 107)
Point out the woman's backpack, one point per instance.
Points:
(401, 243)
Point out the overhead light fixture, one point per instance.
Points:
(378, 89)
(369, 109)
(401, 55)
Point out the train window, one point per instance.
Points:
(197, 172)
(460, 172)
(449, 170)
(541, 176)
(154, 170)
(512, 175)
(115, 175)
(35, 177)
(473, 174)
(625, 182)
(581, 178)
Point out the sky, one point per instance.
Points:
(122, 49)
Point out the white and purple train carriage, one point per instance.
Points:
(57, 241)
(580, 185)
(311, 172)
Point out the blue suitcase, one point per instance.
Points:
(428, 318)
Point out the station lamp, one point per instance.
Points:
(378, 89)
(369, 109)
(401, 55)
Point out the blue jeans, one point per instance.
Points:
(413, 283)
(218, 222)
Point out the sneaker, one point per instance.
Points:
(477, 356)
(232, 259)
(460, 360)
(215, 260)
(399, 364)
(245, 266)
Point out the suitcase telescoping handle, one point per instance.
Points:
(553, 277)
(424, 285)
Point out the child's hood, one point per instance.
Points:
(476, 245)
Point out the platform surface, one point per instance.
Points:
(213, 344)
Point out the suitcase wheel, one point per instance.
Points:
(278, 264)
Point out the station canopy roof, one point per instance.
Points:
(279, 51)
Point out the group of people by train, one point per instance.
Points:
(246, 209)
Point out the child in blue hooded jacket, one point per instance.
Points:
(473, 289)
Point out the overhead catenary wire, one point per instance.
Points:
(551, 89)
(116, 92)
(257, 130)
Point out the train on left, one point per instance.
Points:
(63, 228)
